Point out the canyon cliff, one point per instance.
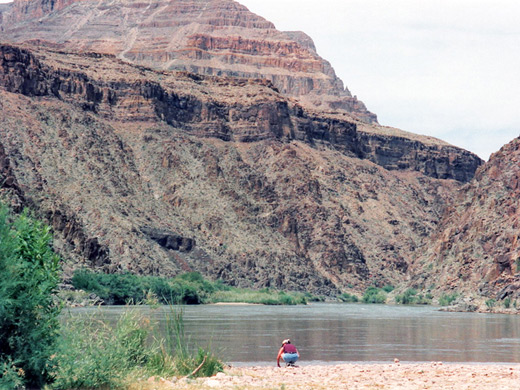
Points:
(476, 250)
(159, 172)
(170, 136)
(208, 37)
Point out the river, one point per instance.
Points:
(328, 333)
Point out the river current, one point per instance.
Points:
(328, 333)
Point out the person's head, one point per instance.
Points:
(286, 341)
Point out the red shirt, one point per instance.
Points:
(289, 348)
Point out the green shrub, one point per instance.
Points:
(349, 298)
(507, 302)
(11, 376)
(189, 288)
(313, 298)
(88, 281)
(95, 354)
(185, 293)
(120, 289)
(411, 297)
(408, 297)
(29, 277)
(447, 299)
(388, 288)
(264, 297)
(176, 347)
(374, 295)
(490, 303)
(424, 299)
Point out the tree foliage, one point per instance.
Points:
(29, 277)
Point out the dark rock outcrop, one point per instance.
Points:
(401, 153)
(9, 187)
(73, 233)
(169, 240)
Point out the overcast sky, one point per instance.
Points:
(446, 68)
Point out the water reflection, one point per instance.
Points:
(341, 332)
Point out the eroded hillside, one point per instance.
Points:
(476, 250)
(245, 184)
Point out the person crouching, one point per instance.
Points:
(289, 353)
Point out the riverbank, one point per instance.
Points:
(354, 376)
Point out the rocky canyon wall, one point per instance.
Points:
(162, 172)
(475, 252)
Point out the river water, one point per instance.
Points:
(327, 333)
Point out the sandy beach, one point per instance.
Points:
(409, 376)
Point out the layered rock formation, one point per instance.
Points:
(162, 172)
(208, 37)
(476, 250)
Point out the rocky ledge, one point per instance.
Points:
(255, 113)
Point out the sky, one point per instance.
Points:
(444, 68)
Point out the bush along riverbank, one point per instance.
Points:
(93, 354)
(452, 301)
(188, 288)
(41, 348)
(90, 288)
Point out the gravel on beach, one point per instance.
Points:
(353, 376)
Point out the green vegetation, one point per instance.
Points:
(411, 297)
(490, 303)
(97, 355)
(424, 299)
(348, 298)
(507, 302)
(120, 289)
(388, 288)
(407, 298)
(264, 296)
(186, 361)
(93, 354)
(37, 351)
(189, 288)
(447, 299)
(29, 277)
(374, 295)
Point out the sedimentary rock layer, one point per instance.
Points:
(209, 37)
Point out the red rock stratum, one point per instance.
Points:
(208, 37)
